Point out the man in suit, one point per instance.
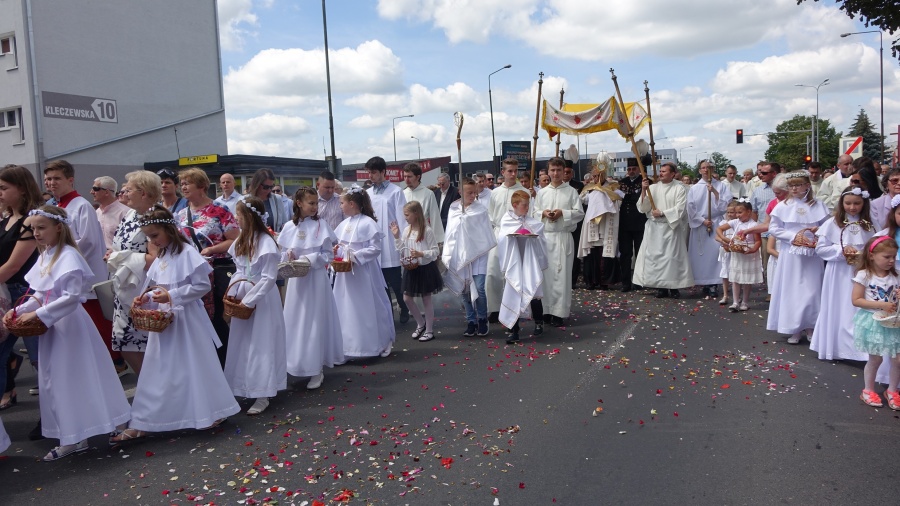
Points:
(631, 221)
(445, 194)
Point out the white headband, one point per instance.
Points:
(45, 214)
(158, 221)
(895, 201)
(263, 216)
(355, 189)
(859, 192)
(744, 200)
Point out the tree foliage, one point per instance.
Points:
(719, 161)
(862, 127)
(788, 149)
(685, 169)
(883, 14)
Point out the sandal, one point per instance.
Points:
(426, 336)
(66, 450)
(13, 400)
(418, 332)
(214, 424)
(893, 399)
(126, 436)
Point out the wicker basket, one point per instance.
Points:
(30, 328)
(805, 238)
(343, 264)
(851, 258)
(408, 261)
(233, 306)
(889, 319)
(738, 246)
(294, 268)
(151, 320)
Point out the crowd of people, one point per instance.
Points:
(172, 258)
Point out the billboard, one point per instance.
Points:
(520, 150)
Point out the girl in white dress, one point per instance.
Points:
(256, 366)
(797, 287)
(839, 237)
(744, 269)
(724, 254)
(876, 287)
(314, 339)
(81, 395)
(367, 322)
(181, 385)
(418, 247)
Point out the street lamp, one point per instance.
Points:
(816, 122)
(881, 71)
(697, 157)
(394, 129)
(419, 144)
(491, 103)
(681, 152)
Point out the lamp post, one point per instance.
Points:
(394, 129)
(331, 161)
(681, 152)
(418, 144)
(816, 122)
(881, 71)
(491, 103)
(697, 157)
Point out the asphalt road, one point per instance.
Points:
(699, 406)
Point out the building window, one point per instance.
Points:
(11, 119)
(8, 50)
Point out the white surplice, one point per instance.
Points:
(256, 365)
(81, 395)
(388, 206)
(523, 262)
(181, 385)
(367, 323)
(662, 261)
(833, 334)
(89, 237)
(797, 287)
(311, 319)
(424, 196)
(468, 240)
(560, 245)
(601, 223)
(702, 246)
(498, 206)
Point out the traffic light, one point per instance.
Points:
(806, 161)
(740, 136)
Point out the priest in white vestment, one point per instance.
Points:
(559, 209)
(706, 204)
(499, 204)
(662, 261)
(415, 190)
(598, 243)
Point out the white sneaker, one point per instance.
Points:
(316, 381)
(387, 351)
(723, 300)
(795, 339)
(259, 406)
(743, 307)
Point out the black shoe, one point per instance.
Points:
(404, 316)
(512, 339)
(674, 293)
(483, 328)
(494, 318)
(706, 290)
(627, 288)
(36, 434)
(662, 293)
(470, 330)
(557, 322)
(714, 292)
(538, 328)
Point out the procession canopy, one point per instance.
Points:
(577, 119)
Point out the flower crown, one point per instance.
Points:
(859, 192)
(158, 221)
(355, 189)
(895, 201)
(45, 214)
(743, 200)
(263, 216)
(797, 174)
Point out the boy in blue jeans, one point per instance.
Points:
(467, 241)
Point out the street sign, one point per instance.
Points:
(852, 146)
(197, 160)
(78, 107)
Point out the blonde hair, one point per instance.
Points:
(247, 209)
(146, 181)
(66, 236)
(415, 209)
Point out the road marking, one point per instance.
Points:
(590, 376)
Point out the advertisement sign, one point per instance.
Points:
(78, 107)
(197, 160)
(520, 150)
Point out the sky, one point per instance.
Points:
(712, 66)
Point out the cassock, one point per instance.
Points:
(425, 197)
(485, 195)
(831, 188)
(387, 202)
(560, 245)
(662, 261)
(88, 236)
(523, 260)
(497, 208)
(702, 246)
(737, 189)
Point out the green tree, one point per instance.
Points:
(875, 13)
(862, 127)
(720, 162)
(686, 169)
(788, 149)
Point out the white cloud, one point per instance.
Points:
(267, 126)
(234, 17)
(382, 105)
(277, 78)
(366, 121)
(456, 97)
(462, 20)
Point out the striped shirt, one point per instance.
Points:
(330, 211)
(762, 195)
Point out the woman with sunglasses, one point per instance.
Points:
(261, 187)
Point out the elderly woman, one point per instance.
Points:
(212, 228)
(129, 258)
(600, 231)
(261, 187)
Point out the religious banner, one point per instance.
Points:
(578, 119)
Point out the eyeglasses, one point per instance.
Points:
(796, 186)
(267, 186)
(855, 181)
(894, 181)
(167, 174)
(99, 188)
(764, 173)
(277, 191)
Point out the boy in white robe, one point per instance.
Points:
(415, 190)
(559, 209)
(497, 209)
(706, 204)
(468, 240)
